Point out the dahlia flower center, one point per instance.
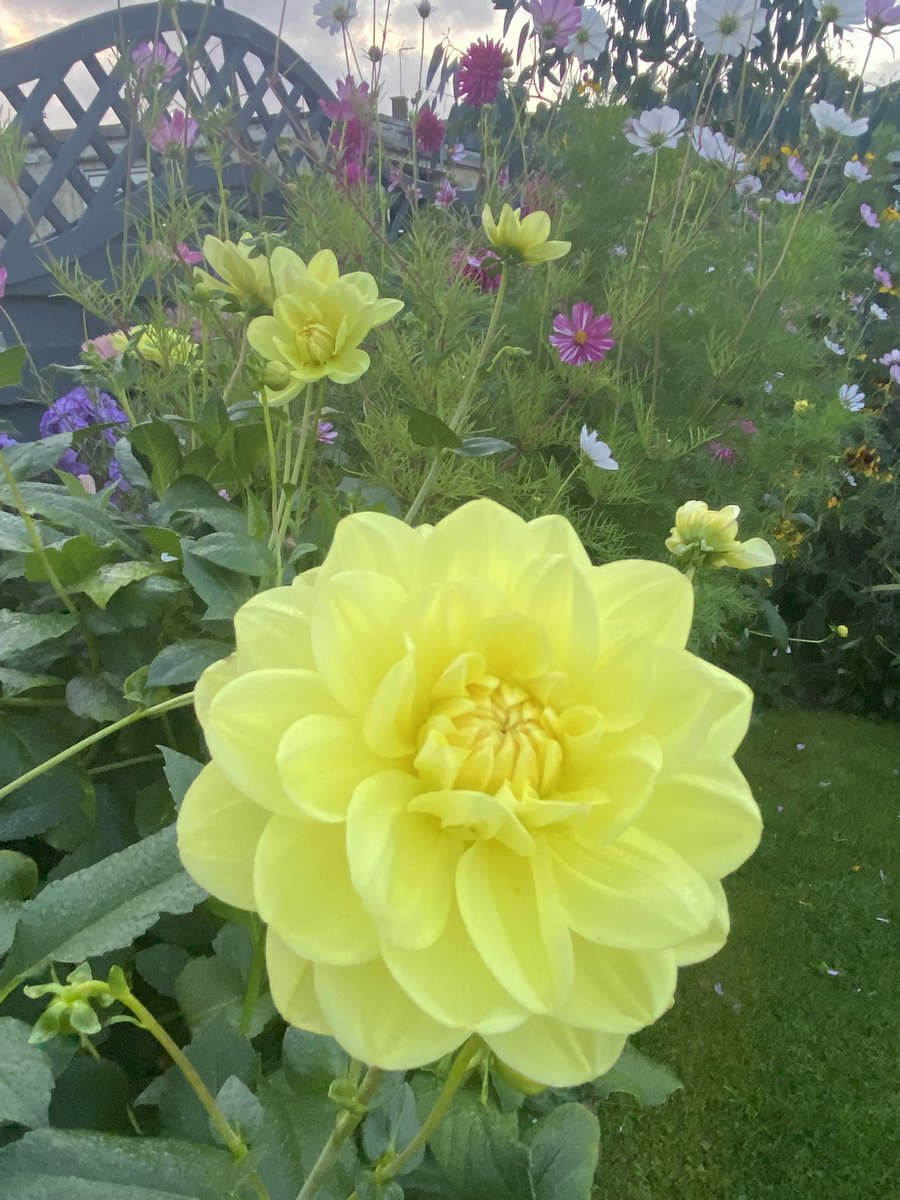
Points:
(315, 343)
(496, 734)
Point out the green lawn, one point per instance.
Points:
(791, 1074)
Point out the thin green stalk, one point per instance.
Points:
(462, 407)
(255, 977)
(274, 543)
(126, 762)
(92, 738)
(344, 1125)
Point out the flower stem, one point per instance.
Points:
(344, 1125)
(70, 751)
(255, 978)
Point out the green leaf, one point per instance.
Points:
(70, 560)
(236, 551)
(92, 1094)
(240, 1107)
(565, 1147)
(97, 698)
(426, 429)
(392, 1126)
(312, 1060)
(21, 631)
(132, 470)
(26, 1080)
(289, 1147)
(161, 965)
(196, 496)
(14, 683)
(11, 363)
(81, 513)
(185, 662)
(159, 444)
(650, 1083)
(55, 1164)
(101, 908)
(18, 875)
(223, 591)
(14, 537)
(777, 628)
(29, 459)
(181, 771)
(482, 447)
(479, 1151)
(26, 739)
(101, 585)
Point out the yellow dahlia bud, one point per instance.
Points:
(276, 376)
(801, 407)
(164, 345)
(521, 239)
(319, 319)
(473, 784)
(244, 277)
(702, 536)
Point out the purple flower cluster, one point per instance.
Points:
(84, 409)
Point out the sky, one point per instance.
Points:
(458, 20)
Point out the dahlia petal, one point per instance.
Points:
(555, 585)
(397, 710)
(323, 267)
(298, 862)
(402, 863)
(388, 1030)
(247, 719)
(656, 600)
(272, 629)
(635, 894)
(354, 636)
(450, 982)
(622, 682)
(292, 984)
(711, 940)
(553, 534)
(515, 648)
(515, 920)
(618, 991)
(370, 541)
(481, 540)
(321, 760)
(556, 1054)
(621, 772)
(263, 334)
(534, 228)
(347, 366)
(218, 832)
(707, 815)
(546, 251)
(211, 682)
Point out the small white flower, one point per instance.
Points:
(748, 186)
(728, 26)
(589, 40)
(829, 119)
(715, 147)
(598, 452)
(768, 387)
(876, 311)
(655, 129)
(851, 397)
(619, 251)
(334, 15)
(854, 169)
(834, 347)
(843, 14)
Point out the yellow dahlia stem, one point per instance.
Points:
(156, 710)
(462, 408)
(344, 1125)
(257, 971)
(459, 1071)
(274, 541)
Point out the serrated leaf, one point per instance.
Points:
(29, 459)
(18, 875)
(181, 771)
(70, 560)
(27, 738)
(54, 1164)
(26, 1080)
(80, 513)
(236, 551)
(392, 1126)
(101, 908)
(14, 537)
(132, 470)
(777, 627)
(185, 662)
(15, 683)
(650, 1083)
(21, 631)
(159, 444)
(479, 1151)
(161, 965)
(312, 1060)
(96, 698)
(240, 1107)
(565, 1147)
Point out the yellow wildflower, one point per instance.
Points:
(801, 407)
(472, 783)
(162, 345)
(245, 278)
(890, 214)
(702, 536)
(522, 239)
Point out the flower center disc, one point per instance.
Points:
(315, 343)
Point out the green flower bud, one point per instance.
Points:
(276, 376)
(70, 1009)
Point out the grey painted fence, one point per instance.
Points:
(81, 186)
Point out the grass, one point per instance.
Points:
(790, 1075)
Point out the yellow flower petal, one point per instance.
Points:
(320, 763)
(274, 627)
(656, 600)
(618, 991)
(292, 983)
(556, 1054)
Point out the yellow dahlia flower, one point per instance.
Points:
(472, 783)
(320, 318)
(246, 280)
(522, 239)
(159, 345)
(707, 536)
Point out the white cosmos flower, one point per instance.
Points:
(854, 169)
(834, 347)
(334, 15)
(877, 312)
(598, 452)
(728, 26)
(843, 14)
(655, 129)
(829, 119)
(715, 147)
(589, 40)
(851, 397)
(748, 186)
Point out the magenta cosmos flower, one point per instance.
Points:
(174, 133)
(582, 337)
(555, 21)
(154, 62)
(480, 73)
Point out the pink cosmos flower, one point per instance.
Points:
(480, 73)
(797, 169)
(395, 178)
(746, 426)
(174, 133)
(555, 21)
(429, 131)
(582, 337)
(503, 177)
(104, 345)
(353, 100)
(190, 258)
(721, 452)
(154, 63)
(883, 277)
(882, 13)
(4, 275)
(891, 359)
(483, 270)
(326, 433)
(870, 216)
(445, 195)
(895, 374)
(784, 197)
